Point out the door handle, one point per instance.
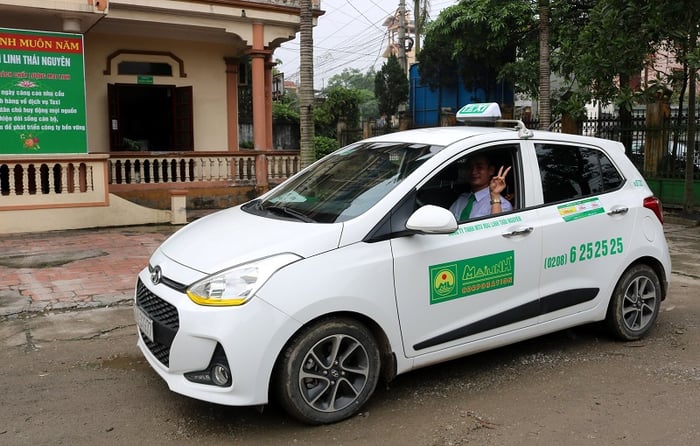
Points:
(519, 231)
(619, 210)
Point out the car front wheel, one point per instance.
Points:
(328, 371)
(635, 303)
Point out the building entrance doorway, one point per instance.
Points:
(150, 117)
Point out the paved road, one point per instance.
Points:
(77, 269)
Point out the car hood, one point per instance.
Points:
(232, 237)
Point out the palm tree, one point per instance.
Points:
(545, 111)
(690, 155)
(306, 81)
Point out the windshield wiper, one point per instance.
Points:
(289, 212)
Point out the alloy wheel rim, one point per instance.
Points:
(639, 304)
(333, 373)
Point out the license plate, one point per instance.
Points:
(144, 322)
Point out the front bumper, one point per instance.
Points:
(186, 335)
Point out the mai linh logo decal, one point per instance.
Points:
(471, 276)
(444, 281)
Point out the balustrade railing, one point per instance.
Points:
(235, 168)
(280, 167)
(30, 182)
(168, 168)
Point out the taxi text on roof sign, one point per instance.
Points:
(489, 111)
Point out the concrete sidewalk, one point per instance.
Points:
(74, 269)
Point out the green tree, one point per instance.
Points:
(325, 145)
(595, 47)
(354, 79)
(286, 108)
(612, 49)
(477, 42)
(344, 103)
(681, 37)
(340, 102)
(391, 86)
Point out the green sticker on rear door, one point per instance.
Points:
(580, 209)
(471, 276)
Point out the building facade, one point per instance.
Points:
(162, 81)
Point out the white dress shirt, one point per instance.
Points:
(481, 206)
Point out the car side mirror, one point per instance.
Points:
(431, 219)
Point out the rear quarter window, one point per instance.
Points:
(571, 172)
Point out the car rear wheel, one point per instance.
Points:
(635, 303)
(328, 371)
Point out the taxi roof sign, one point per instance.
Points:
(489, 111)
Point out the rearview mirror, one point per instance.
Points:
(431, 219)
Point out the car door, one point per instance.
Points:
(478, 282)
(586, 224)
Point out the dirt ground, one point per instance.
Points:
(576, 387)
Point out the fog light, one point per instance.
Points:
(217, 372)
(220, 375)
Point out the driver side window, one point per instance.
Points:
(452, 186)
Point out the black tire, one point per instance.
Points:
(635, 303)
(328, 371)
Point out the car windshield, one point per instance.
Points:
(346, 183)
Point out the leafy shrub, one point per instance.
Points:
(324, 145)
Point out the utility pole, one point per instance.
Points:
(421, 13)
(402, 35)
(417, 24)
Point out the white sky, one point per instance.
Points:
(349, 35)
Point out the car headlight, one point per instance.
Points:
(237, 285)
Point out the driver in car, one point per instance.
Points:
(484, 197)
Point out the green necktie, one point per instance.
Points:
(468, 208)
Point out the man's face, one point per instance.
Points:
(478, 172)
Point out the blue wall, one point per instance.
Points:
(425, 103)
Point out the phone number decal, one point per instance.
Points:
(586, 251)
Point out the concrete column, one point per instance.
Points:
(269, 65)
(571, 125)
(232, 101)
(261, 119)
(261, 171)
(178, 207)
(367, 128)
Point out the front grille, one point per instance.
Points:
(166, 322)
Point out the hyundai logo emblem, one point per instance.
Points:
(156, 275)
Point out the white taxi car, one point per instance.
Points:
(355, 270)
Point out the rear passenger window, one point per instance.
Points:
(570, 172)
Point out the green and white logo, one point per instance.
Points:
(444, 281)
(471, 276)
(580, 209)
(479, 112)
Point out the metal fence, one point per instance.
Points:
(634, 135)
